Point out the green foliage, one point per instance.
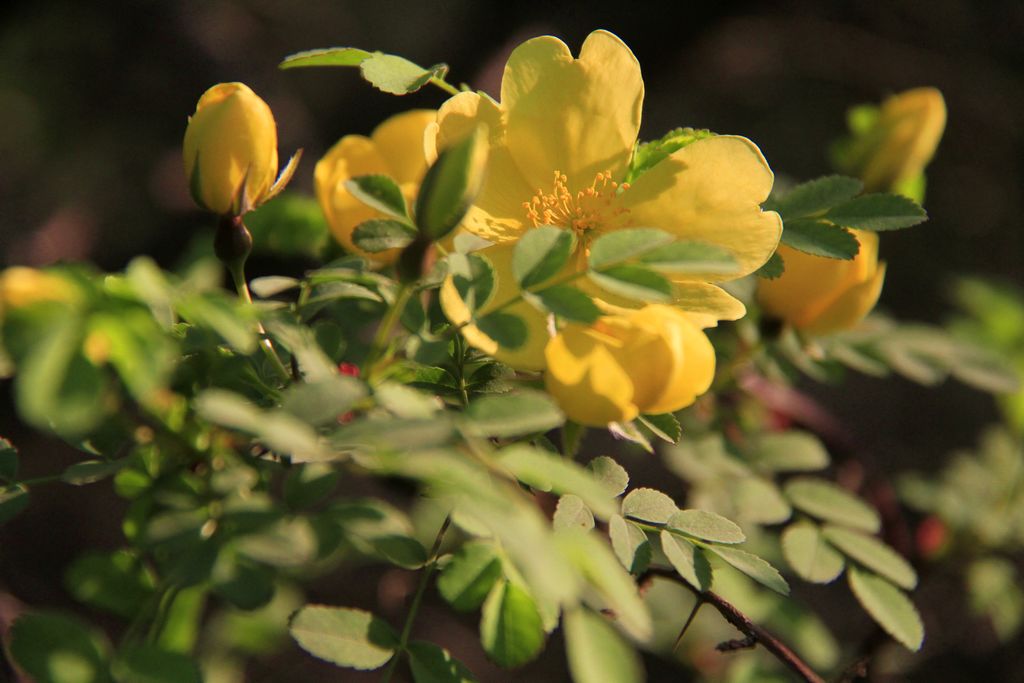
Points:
(381, 193)
(596, 652)
(450, 186)
(648, 154)
(540, 254)
(291, 225)
(389, 73)
(809, 554)
(888, 606)
(829, 502)
(344, 636)
(378, 235)
(53, 648)
(511, 630)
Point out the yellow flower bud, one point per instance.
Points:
(821, 295)
(652, 360)
(395, 148)
(21, 286)
(231, 150)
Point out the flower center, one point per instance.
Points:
(580, 212)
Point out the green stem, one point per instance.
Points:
(417, 600)
(163, 609)
(460, 351)
(237, 271)
(444, 85)
(387, 325)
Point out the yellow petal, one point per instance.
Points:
(710, 191)
(644, 348)
(851, 307)
(586, 380)
(710, 302)
(399, 140)
(905, 137)
(529, 356)
(498, 212)
(694, 366)
(578, 116)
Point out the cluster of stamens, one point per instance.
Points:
(581, 211)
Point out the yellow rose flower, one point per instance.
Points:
(652, 360)
(394, 148)
(820, 295)
(561, 140)
(231, 150)
(891, 153)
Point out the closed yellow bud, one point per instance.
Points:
(231, 150)
(820, 295)
(652, 360)
(395, 148)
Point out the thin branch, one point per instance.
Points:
(754, 633)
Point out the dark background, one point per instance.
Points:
(94, 99)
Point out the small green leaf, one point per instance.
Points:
(540, 253)
(292, 225)
(633, 282)
(878, 212)
(547, 471)
(520, 413)
(450, 186)
(308, 484)
(753, 566)
(888, 606)
(433, 664)
(272, 285)
(820, 238)
(507, 330)
(596, 652)
(873, 554)
(759, 501)
(773, 268)
(474, 279)
(649, 154)
(815, 196)
(826, 501)
(53, 648)
(331, 56)
(377, 235)
(572, 513)
(13, 499)
(511, 630)
(630, 544)
(706, 525)
(381, 193)
(406, 402)
(115, 582)
(344, 636)
(565, 302)
(322, 402)
(622, 245)
(665, 426)
(89, 471)
(809, 554)
(610, 473)
(689, 258)
(687, 559)
(151, 664)
(397, 75)
(469, 576)
(648, 505)
(792, 451)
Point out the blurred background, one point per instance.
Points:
(94, 99)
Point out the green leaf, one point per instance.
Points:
(291, 225)
(278, 430)
(506, 329)
(246, 585)
(648, 505)
(759, 501)
(878, 212)
(540, 253)
(151, 664)
(13, 499)
(826, 501)
(377, 235)
(396, 75)
(474, 279)
(308, 484)
(322, 402)
(511, 630)
(469, 576)
(820, 238)
(753, 566)
(566, 302)
(688, 560)
(622, 245)
(53, 648)
(548, 471)
(809, 554)
(523, 412)
(381, 193)
(665, 426)
(8, 460)
(689, 258)
(115, 582)
(610, 473)
(291, 542)
(406, 402)
(433, 664)
(792, 451)
(649, 154)
(630, 544)
(873, 554)
(344, 636)
(815, 196)
(89, 471)
(572, 513)
(450, 186)
(272, 285)
(888, 606)
(596, 652)
(773, 268)
(633, 282)
(706, 525)
(331, 56)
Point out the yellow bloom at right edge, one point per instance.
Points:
(652, 360)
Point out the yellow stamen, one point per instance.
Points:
(582, 211)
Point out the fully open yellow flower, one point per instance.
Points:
(394, 148)
(561, 140)
(652, 360)
(821, 295)
(230, 150)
